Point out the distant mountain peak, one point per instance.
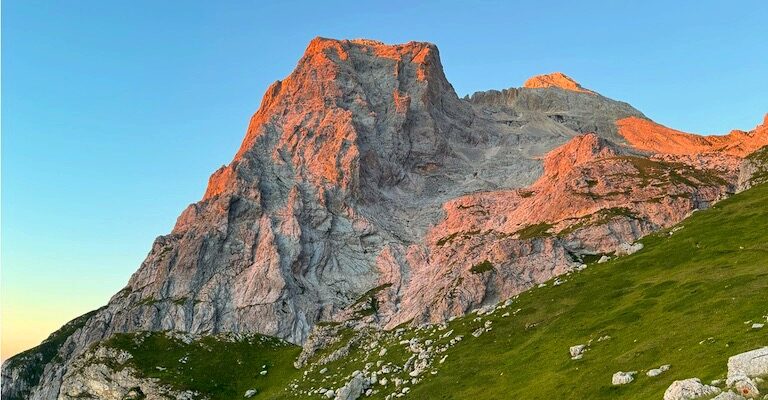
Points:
(555, 79)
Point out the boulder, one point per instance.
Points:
(352, 389)
(626, 249)
(622, 378)
(689, 389)
(746, 387)
(750, 364)
(728, 396)
(658, 371)
(577, 350)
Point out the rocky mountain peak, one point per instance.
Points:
(366, 192)
(555, 79)
(347, 101)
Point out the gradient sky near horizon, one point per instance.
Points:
(116, 112)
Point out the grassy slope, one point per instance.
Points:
(222, 369)
(660, 306)
(702, 282)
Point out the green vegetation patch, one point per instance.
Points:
(655, 172)
(482, 267)
(221, 367)
(535, 231)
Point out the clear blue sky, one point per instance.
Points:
(116, 112)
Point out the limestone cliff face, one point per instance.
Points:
(363, 169)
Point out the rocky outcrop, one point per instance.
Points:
(366, 190)
(753, 169)
(102, 374)
(23, 373)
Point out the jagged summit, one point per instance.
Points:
(555, 79)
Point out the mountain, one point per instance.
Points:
(687, 300)
(366, 190)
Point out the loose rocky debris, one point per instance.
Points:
(393, 362)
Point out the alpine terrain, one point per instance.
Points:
(377, 236)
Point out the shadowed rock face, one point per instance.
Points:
(363, 169)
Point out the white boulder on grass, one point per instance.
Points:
(689, 389)
(577, 350)
(622, 378)
(742, 368)
(658, 371)
(626, 249)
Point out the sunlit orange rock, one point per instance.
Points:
(647, 135)
(555, 79)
